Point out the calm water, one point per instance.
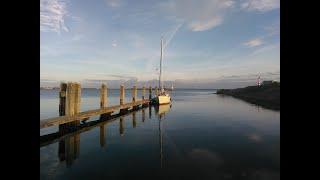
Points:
(201, 136)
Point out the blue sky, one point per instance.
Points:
(206, 40)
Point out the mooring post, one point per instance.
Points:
(103, 96)
(122, 96)
(104, 100)
(134, 94)
(62, 105)
(73, 96)
(70, 100)
(62, 99)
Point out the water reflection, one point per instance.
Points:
(69, 147)
(102, 135)
(161, 111)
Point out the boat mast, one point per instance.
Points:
(160, 76)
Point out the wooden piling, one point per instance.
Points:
(73, 96)
(104, 100)
(62, 99)
(122, 95)
(70, 99)
(103, 96)
(134, 93)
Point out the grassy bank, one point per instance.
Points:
(267, 96)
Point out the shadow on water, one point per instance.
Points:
(69, 145)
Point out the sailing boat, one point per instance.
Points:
(162, 97)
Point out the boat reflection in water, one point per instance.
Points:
(161, 110)
(69, 147)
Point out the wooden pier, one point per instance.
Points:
(70, 100)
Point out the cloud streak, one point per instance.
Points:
(113, 3)
(199, 15)
(260, 5)
(254, 42)
(52, 16)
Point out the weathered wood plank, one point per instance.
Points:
(86, 114)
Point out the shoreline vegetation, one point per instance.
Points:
(267, 96)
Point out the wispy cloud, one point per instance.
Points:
(114, 3)
(254, 42)
(260, 5)
(114, 43)
(199, 15)
(52, 16)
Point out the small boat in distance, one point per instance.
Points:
(162, 97)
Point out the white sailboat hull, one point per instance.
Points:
(164, 99)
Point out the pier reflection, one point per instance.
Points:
(102, 135)
(69, 147)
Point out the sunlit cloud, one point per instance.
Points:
(199, 15)
(254, 42)
(52, 16)
(114, 3)
(260, 5)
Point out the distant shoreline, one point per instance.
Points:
(54, 88)
(267, 96)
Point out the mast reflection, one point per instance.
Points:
(161, 110)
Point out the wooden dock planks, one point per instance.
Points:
(86, 114)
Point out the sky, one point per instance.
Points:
(208, 43)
